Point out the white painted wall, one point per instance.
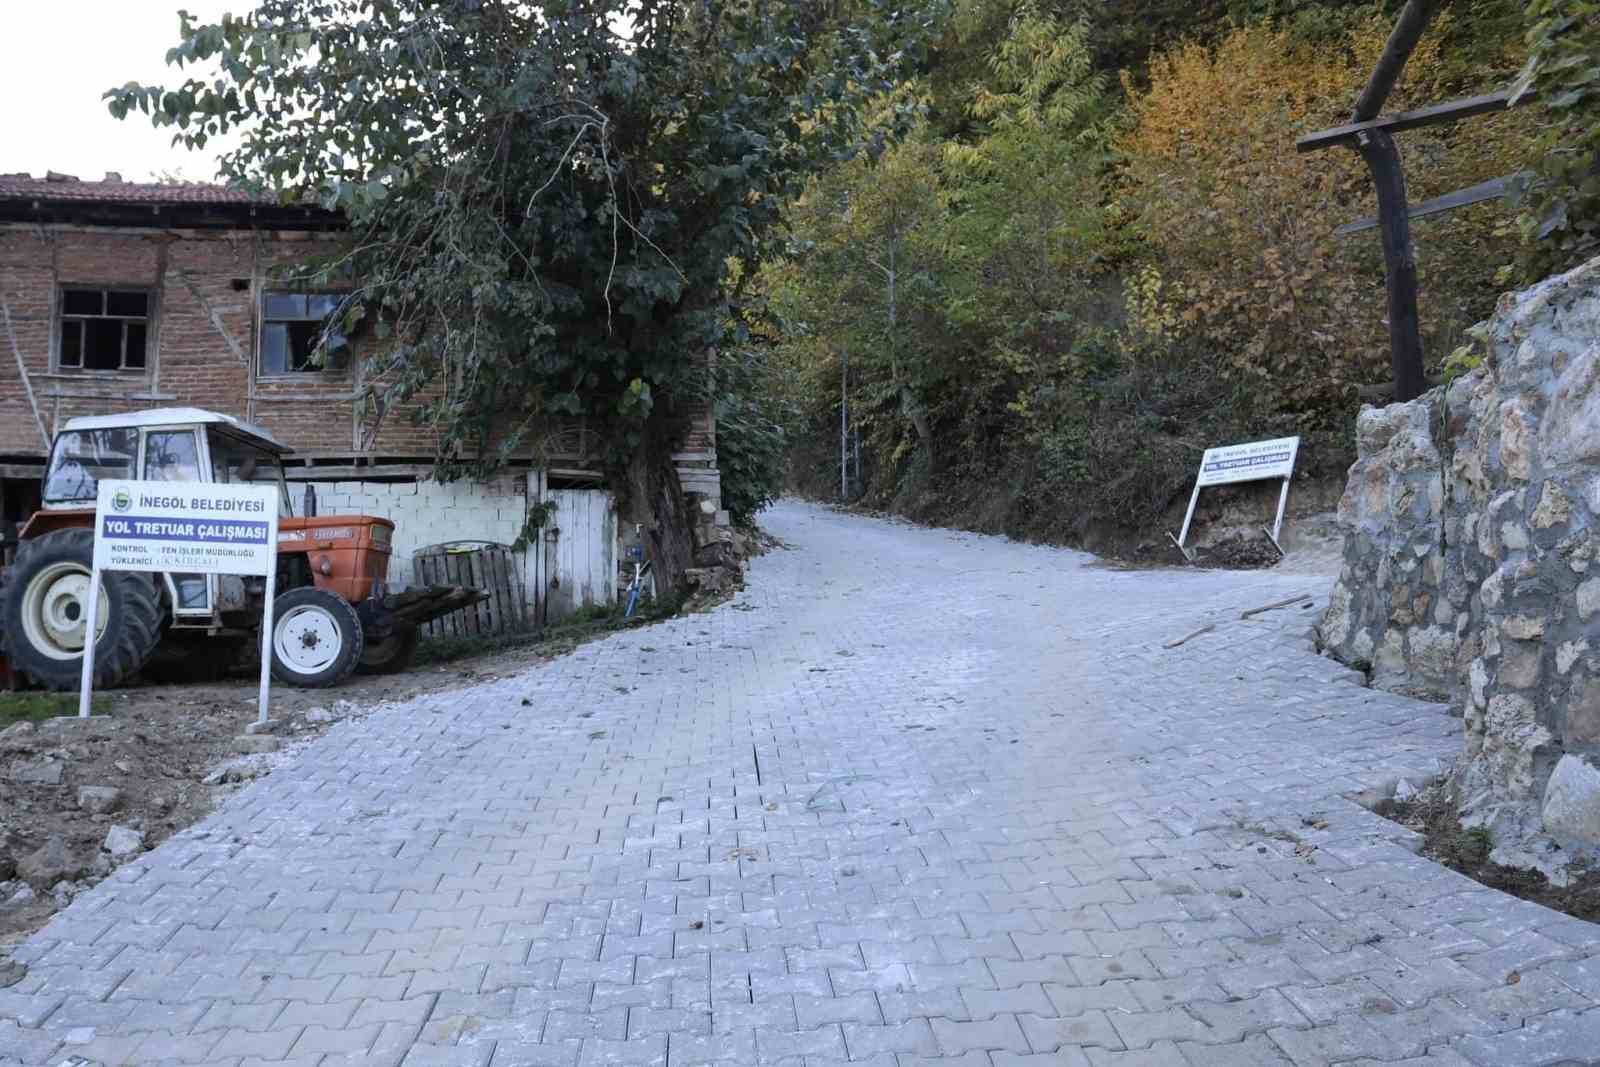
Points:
(582, 559)
(429, 513)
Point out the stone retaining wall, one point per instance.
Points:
(1471, 570)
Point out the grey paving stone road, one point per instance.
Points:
(914, 796)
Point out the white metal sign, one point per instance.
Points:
(1250, 462)
(184, 528)
(188, 528)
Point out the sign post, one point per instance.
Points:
(183, 528)
(1251, 462)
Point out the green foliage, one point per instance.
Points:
(1560, 216)
(545, 211)
(38, 707)
(1094, 287)
(752, 442)
(1474, 845)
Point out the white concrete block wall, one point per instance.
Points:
(428, 513)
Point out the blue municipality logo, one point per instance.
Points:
(121, 500)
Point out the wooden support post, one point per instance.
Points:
(1378, 149)
(22, 372)
(1408, 30)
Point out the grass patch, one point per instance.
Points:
(37, 707)
(572, 631)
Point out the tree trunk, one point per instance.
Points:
(919, 421)
(655, 502)
(908, 401)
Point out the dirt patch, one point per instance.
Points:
(1228, 531)
(1432, 815)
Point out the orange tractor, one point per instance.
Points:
(334, 610)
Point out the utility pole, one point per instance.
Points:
(844, 426)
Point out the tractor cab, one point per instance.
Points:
(164, 445)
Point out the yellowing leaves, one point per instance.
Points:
(1242, 224)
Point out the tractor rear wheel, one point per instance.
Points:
(44, 603)
(391, 655)
(316, 638)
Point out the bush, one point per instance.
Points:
(752, 445)
(1240, 226)
(1560, 217)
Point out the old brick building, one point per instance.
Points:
(118, 296)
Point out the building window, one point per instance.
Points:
(291, 325)
(104, 329)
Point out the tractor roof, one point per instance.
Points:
(179, 417)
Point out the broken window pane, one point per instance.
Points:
(103, 329)
(134, 357)
(102, 344)
(285, 306)
(132, 305)
(72, 344)
(302, 342)
(292, 325)
(275, 348)
(83, 302)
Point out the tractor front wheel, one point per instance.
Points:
(316, 638)
(391, 655)
(44, 608)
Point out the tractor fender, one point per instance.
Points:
(46, 522)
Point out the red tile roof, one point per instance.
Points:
(58, 188)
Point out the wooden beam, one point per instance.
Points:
(1472, 194)
(1408, 30)
(1400, 264)
(1450, 111)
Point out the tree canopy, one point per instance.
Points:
(546, 199)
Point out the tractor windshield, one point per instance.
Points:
(234, 462)
(81, 458)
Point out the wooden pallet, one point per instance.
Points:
(490, 568)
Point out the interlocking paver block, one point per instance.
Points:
(915, 1036)
(268, 1043)
(1230, 1021)
(1560, 1036)
(811, 1012)
(648, 1051)
(1000, 1032)
(1161, 1054)
(532, 1054)
(984, 1003)
(663, 852)
(25, 1045)
(477, 1055)
(1346, 1038)
(1257, 1050)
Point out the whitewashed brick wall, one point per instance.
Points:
(428, 513)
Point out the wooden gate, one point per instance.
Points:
(477, 565)
(580, 552)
